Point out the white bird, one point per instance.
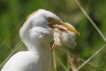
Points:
(36, 33)
(64, 37)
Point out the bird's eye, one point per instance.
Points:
(50, 19)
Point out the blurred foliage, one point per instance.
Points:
(14, 12)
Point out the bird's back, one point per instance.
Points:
(23, 61)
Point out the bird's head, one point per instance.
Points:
(40, 25)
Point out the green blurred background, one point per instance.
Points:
(14, 12)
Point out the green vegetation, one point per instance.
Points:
(14, 12)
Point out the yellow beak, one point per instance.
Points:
(65, 25)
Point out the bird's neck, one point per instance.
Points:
(43, 52)
(40, 47)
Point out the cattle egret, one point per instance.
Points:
(36, 33)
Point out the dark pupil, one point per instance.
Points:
(50, 20)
